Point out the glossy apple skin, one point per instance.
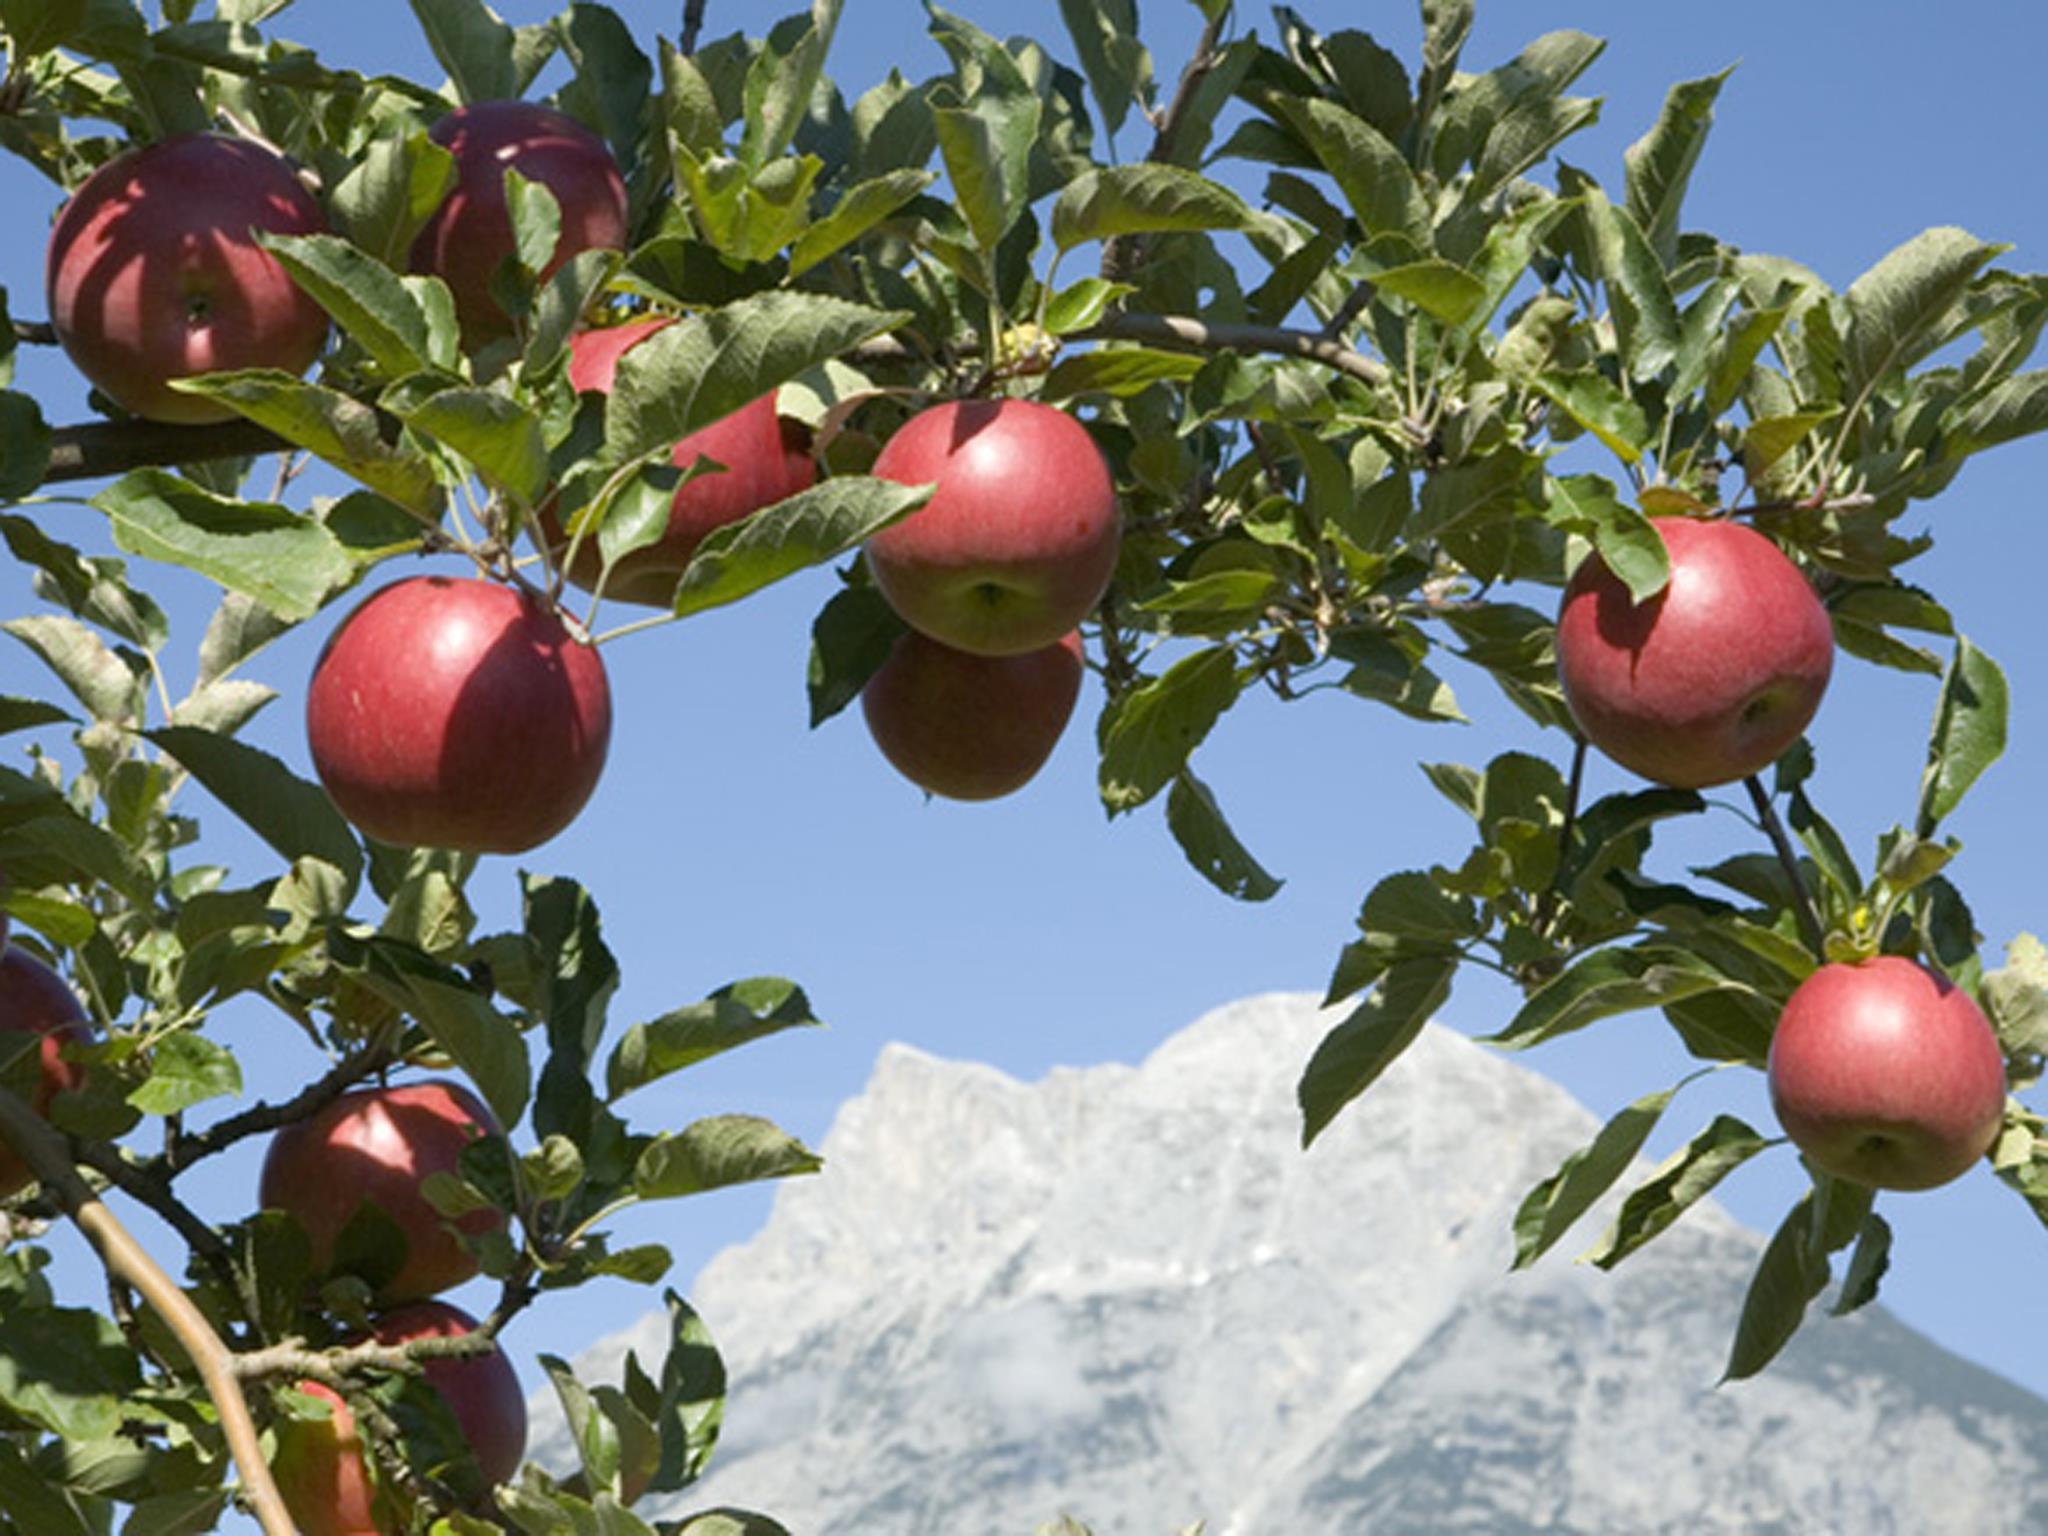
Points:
(1885, 1074)
(152, 272)
(765, 457)
(449, 713)
(1714, 677)
(319, 1466)
(470, 233)
(971, 727)
(1017, 545)
(377, 1145)
(35, 999)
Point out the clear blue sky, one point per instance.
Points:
(728, 840)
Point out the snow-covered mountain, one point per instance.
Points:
(1127, 1293)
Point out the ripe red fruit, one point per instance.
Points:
(470, 233)
(153, 273)
(971, 727)
(375, 1146)
(1885, 1074)
(1020, 540)
(319, 1464)
(1711, 679)
(765, 457)
(458, 714)
(35, 1000)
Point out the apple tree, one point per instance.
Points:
(1347, 382)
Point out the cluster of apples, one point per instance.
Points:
(376, 1147)
(373, 1146)
(1881, 1072)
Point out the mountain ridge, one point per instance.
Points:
(1126, 1291)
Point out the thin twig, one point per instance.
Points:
(332, 1367)
(258, 1119)
(693, 23)
(1199, 336)
(44, 1150)
(95, 449)
(37, 333)
(1803, 908)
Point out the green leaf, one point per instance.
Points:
(1622, 537)
(1598, 405)
(66, 1370)
(364, 296)
(734, 1015)
(485, 1044)
(18, 714)
(1968, 736)
(864, 206)
(1353, 1055)
(1607, 982)
(186, 1069)
(689, 1404)
(390, 194)
(100, 679)
(1659, 165)
(1897, 309)
(779, 86)
(1198, 825)
(708, 365)
(1793, 1271)
(1680, 1180)
(1371, 173)
(287, 562)
(1548, 1211)
(294, 817)
(495, 433)
(36, 26)
(2012, 408)
(1769, 438)
(807, 529)
(717, 1152)
(1645, 313)
(1147, 734)
(1867, 1266)
(1143, 199)
(486, 59)
(24, 444)
(332, 426)
(1082, 304)
(94, 589)
(986, 129)
(850, 639)
(1440, 289)
(1118, 67)
(1120, 371)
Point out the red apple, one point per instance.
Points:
(764, 458)
(1711, 679)
(1885, 1074)
(460, 714)
(153, 272)
(35, 1000)
(971, 727)
(376, 1146)
(319, 1464)
(470, 233)
(1020, 540)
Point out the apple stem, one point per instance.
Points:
(43, 1148)
(1803, 905)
